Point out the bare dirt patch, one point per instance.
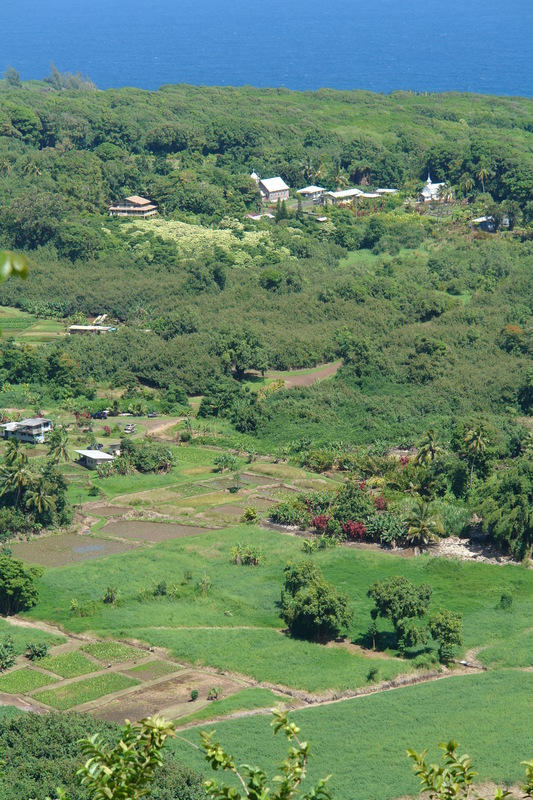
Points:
(150, 531)
(59, 550)
(234, 511)
(262, 503)
(168, 697)
(108, 511)
(312, 377)
(152, 670)
(257, 480)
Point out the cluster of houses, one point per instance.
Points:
(271, 190)
(34, 431)
(274, 189)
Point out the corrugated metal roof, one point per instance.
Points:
(274, 184)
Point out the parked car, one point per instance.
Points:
(130, 428)
(152, 414)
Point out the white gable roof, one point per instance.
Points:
(95, 454)
(274, 184)
(311, 190)
(346, 193)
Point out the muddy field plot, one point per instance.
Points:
(59, 550)
(172, 697)
(233, 511)
(152, 670)
(150, 531)
(108, 511)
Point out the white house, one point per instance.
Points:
(273, 189)
(314, 193)
(344, 196)
(93, 458)
(31, 430)
(96, 329)
(431, 192)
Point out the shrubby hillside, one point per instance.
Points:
(431, 320)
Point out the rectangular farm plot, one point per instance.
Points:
(113, 652)
(150, 531)
(172, 697)
(153, 670)
(85, 691)
(25, 680)
(60, 550)
(69, 665)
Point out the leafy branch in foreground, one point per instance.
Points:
(454, 779)
(254, 781)
(12, 263)
(125, 770)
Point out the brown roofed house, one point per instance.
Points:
(133, 206)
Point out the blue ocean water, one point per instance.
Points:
(382, 45)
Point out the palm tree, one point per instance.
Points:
(476, 442)
(484, 172)
(421, 526)
(341, 178)
(428, 448)
(14, 453)
(58, 446)
(466, 182)
(38, 498)
(14, 479)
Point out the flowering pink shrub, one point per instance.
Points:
(404, 460)
(362, 486)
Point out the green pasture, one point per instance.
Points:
(362, 742)
(23, 636)
(237, 621)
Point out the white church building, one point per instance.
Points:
(432, 191)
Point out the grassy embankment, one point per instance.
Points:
(237, 622)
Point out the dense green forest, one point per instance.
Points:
(431, 318)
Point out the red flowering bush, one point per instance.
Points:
(404, 460)
(354, 530)
(381, 503)
(320, 522)
(362, 486)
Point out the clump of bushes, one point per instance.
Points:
(312, 608)
(37, 650)
(248, 555)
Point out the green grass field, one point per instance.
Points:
(238, 620)
(362, 742)
(22, 636)
(73, 694)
